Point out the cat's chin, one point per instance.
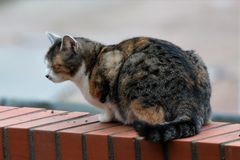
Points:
(56, 80)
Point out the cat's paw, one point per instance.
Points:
(104, 117)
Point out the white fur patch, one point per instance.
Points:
(54, 77)
(82, 82)
(112, 58)
(106, 116)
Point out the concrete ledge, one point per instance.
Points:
(40, 134)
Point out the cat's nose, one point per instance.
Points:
(47, 76)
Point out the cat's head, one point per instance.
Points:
(63, 60)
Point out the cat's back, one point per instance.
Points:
(144, 63)
(145, 44)
(155, 68)
(156, 59)
(151, 49)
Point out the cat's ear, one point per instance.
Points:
(68, 42)
(52, 37)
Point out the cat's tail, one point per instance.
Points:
(167, 131)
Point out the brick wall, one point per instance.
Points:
(40, 134)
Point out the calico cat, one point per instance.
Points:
(152, 84)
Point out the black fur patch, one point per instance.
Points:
(166, 131)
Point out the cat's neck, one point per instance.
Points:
(89, 51)
(81, 80)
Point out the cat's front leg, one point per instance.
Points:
(106, 116)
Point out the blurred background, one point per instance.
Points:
(211, 27)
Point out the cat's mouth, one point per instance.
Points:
(54, 77)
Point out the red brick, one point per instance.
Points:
(71, 140)
(176, 146)
(69, 123)
(18, 142)
(209, 149)
(178, 149)
(47, 135)
(46, 121)
(6, 108)
(76, 137)
(29, 117)
(14, 138)
(212, 132)
(150, 150)
(18, 112)
(183, 147)
(22, 115)
(46, 139)
(213, 125)
(124, 145)
(98, 140)
(232, 150)
(1, 145)
(21, 131)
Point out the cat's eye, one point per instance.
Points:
(58, 68)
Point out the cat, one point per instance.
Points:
(152, 84)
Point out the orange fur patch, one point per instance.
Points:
(93, 90)
(151, 114)
(128, 46)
